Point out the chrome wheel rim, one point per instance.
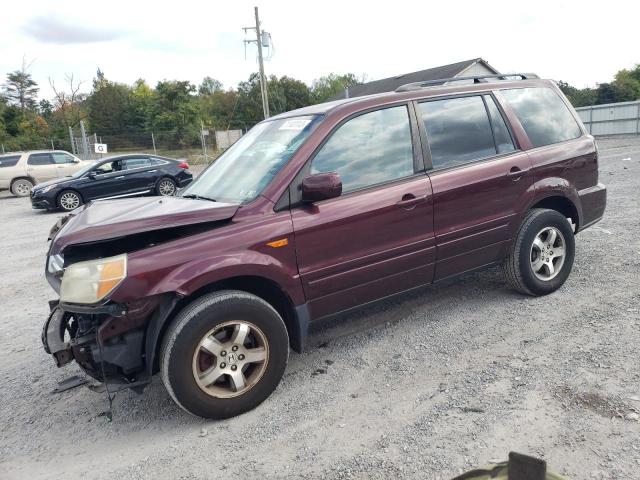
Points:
(69, 201)
(230, 359)
(166, 188)
(22, 187)
(548, 253)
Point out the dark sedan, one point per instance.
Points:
(114, 177)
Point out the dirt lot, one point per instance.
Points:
(421, 387)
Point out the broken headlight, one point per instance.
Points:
(91, 281)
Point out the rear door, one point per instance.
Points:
(480, 179)
(376, 239)
(141, 173)
(41, 167)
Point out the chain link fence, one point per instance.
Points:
(197, 147)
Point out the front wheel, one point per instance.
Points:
(69, 200)
(224, 354)
(542, 254)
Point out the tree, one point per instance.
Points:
(627, 85)
(175, 109)
(68, 109)
(108, 106)
(209, 86)
(325, 87)
(21, 89)
(286, 94)
(578, 97)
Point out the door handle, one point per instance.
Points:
(409, 201)
(516, 174)
(118, 178)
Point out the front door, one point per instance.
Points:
(66, 165)
(110, 181)
(480, 181)
(377, 238)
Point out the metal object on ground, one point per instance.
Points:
(69, 383)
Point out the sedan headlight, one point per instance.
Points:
(46, 189)
(91, 281)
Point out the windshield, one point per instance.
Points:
(241, 173)
(84, 170)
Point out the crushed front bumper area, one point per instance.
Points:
(71, 333)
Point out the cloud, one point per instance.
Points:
(51, 29)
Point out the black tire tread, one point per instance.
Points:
(182, 320)
(510, 266)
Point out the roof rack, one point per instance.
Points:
(476, 79)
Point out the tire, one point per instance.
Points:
(183, 357)
(69, 200)
(166, 187)
(21, 187)
(526, 268)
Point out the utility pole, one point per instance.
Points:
(263, 78)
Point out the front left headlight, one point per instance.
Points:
(91, 281)
(47, 188)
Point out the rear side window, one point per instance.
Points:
(369, 149)
(501, 134)
(544, 116)
(39, 159)
(10, 161)
(458, 130)
(131, 163)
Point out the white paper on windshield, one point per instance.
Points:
(297, 124)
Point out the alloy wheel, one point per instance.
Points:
(547, 253)
(69, 201)
(230, 359)
(166, 188)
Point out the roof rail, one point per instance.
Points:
(476, 79)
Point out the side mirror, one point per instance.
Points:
(91, 175)
(321, 186)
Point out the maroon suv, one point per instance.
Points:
(315, 212)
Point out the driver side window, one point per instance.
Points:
(369, 149)
(108, 167)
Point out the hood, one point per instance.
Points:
(55, 181)
(110, 219)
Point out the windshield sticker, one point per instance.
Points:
(296, 125)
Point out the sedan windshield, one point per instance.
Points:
(241, 173)
(84, 170)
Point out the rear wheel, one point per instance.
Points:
(542, 254)
(224, 354)
(166, 187)
(21, 187)
(69, 200)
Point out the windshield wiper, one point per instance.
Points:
(198, 197)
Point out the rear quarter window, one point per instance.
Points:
(543, 115)
(9, 161)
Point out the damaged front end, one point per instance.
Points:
(106, 319)
(107, 342)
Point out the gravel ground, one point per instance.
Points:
(425, 386)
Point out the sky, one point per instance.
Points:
(580, 42)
